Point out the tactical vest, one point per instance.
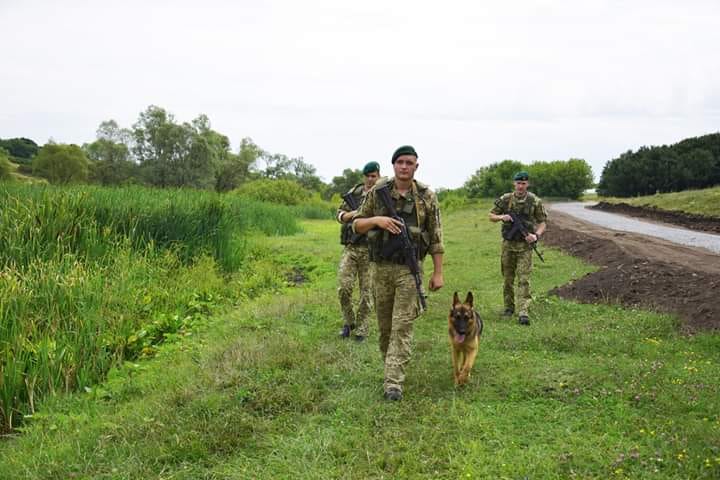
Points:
(525, 209)
(414, 210)
(347, 236)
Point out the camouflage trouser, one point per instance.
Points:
(516, 260)
(397, 306)
(354, 265)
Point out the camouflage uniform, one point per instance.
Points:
(396, 301)
(517, 253)
(354, 264)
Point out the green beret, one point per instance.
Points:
(404, 150)
(521, 176)
(371, 167)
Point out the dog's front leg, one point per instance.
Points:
(456, 361)
(468, 363)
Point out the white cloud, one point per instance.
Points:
(468, 83)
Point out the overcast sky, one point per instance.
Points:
(342, 83)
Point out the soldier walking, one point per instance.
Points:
(517, 249)
(354, 264)
(396, 297)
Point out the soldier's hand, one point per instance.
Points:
(436, 282)
(506, 218)
(390, 224)
(531, 238)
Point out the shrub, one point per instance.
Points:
(284, 192)
(61, 164)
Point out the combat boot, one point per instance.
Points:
(345, 332)
(393, 394)
(523, 320)
(508, 313)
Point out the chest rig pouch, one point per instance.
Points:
(347, 236)
(387, 247)
(525, 211)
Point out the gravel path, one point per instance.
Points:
(614, 221)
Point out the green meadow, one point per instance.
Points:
(266, 389)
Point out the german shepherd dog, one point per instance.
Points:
(464, 328)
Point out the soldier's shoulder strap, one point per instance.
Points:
(532, 199)
(383, 181)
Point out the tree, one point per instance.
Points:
(61, 164)
(110, 156)
(22, 150)
(493, 180)
(691, 163)
(346, 181)
(233, 170)
(279, 166)
(173, 155)
(564, 179)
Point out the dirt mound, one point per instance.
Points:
(636, 277)
(688, 220)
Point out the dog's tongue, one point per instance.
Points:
(459, 338)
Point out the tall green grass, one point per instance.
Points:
(91, 276)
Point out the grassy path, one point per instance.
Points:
(268, 391)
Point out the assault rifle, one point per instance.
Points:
(406, 245)
(518, 226)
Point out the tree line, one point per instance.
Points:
(691, 163)
(162, 152)
(559, 178)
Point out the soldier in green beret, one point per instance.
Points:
(354, 264)
(396, 298)
(517, 251)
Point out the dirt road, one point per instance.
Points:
(640, 270)
(625, 223)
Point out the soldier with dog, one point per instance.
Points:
(397, 304)
(518, 243)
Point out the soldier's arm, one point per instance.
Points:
(540, 219)
(344, 213)
(365, 218)
(497, 214)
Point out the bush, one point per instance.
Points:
(61, 164)
(564, 179)
(284, 192)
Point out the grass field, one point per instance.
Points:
(269, 391)
(703, 202)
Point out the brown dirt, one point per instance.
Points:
(688, 220)
(640, 271)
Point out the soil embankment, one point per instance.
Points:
(640, 271)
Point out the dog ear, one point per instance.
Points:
(456, 298)
(469, 299)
